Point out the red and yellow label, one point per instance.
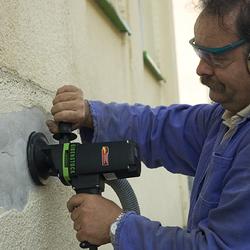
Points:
(105, 156)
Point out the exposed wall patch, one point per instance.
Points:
(15, 181)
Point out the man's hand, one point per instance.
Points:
(92, 216)
(70, 106)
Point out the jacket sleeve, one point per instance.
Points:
(172, 136)
(137, 232)
(226, 227)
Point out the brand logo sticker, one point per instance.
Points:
(105, 156)
(72, 158)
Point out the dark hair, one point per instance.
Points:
(223, 7)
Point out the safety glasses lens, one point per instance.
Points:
(222, 60)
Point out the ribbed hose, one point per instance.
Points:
(125, 194)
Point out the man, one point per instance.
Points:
(210, 142)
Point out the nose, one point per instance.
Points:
(204, 69)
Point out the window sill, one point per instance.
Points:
(114, 16)
(153, 67)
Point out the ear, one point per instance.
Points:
(248, 63)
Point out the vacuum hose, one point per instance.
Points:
(125, 194)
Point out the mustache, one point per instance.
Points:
(211, 83)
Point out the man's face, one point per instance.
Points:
(230, 85)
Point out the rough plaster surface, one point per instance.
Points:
(17, 93)
(35, 41)
(44, 224)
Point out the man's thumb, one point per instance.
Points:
(52, 126)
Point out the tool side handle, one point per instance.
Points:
(97, 191)
(86, 244)
(64, 135)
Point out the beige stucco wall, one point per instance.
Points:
(43, 46)
(191, 91)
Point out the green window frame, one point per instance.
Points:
(114, 16)
(153, 67)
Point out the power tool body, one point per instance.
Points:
(85, 167)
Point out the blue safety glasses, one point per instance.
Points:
(217, 57)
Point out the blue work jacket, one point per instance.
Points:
(185, 139)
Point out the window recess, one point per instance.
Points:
(150, 37)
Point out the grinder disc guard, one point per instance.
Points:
(37, 160)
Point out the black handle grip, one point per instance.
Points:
(64, 127)
(64, 135)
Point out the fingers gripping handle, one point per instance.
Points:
(92, 190)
